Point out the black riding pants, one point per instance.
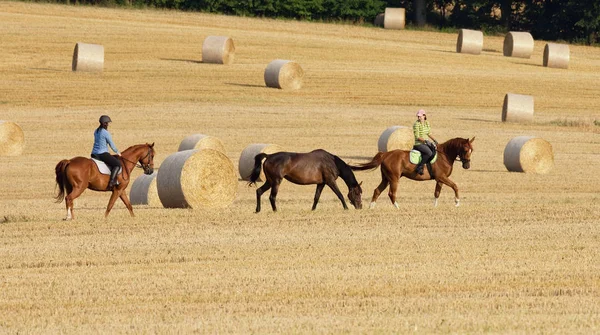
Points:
(426, 152)
(109, 159)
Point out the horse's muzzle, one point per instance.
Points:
(466, 164)
(149, 170)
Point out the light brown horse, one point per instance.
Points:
(74, 175)
(396, 164)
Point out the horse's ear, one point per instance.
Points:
(152, 145)
(360, 184)
(471, 140)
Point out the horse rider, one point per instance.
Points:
(102, 138)
(422, 131)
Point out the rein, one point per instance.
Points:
(135, 164)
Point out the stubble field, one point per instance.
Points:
(519, 255)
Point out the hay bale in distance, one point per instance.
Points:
(196, 179)
(518, 44)
(284, 74)
(517, 108)
(218, 50)
(528, 154)
(88, 57)
(246, 163)
(556, 55)
(396, 137)
(469, 42)
(394, 18)
(12, 139)
(144, 191)
(379, 20)
(201, 141)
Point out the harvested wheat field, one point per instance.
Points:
(520, 254)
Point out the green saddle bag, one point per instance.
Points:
(415, 157)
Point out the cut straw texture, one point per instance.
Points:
(396, 137)
(88, 57)
(394, 18)
(12, 139)
(201, 141)
(517, 108)
(284, 74)
(198, 179)
(556, 55)
(518, 44)
(378, 22)
(246, 163)
(218, 50)
(528, 154)
(144, 191)
(469, 42)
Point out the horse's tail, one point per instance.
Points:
(61, 179)
(257, 167)
(374, 163)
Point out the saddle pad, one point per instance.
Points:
(415, 157)
(102, 167)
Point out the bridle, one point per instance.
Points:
(139, 163)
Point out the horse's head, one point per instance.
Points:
(355, 196)
(465, 153)
(147, 159)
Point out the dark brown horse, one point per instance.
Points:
(74, 175)
(396, 163)
(316, 167)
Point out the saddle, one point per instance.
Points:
(103, 168)
(415, 157)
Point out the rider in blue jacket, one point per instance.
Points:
(102, 140)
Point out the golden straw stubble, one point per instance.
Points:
(528, 154)
(12, 139)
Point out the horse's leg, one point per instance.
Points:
(450, 183)
(74, 192)
(259, 193)
(113, 197)
(273, 196)
(438, 189)
(392, 192)
(336, 190)
(125, 200)
(317, 195)
(384, 183)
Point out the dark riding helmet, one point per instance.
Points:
(105, 118)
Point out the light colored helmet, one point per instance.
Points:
(105, 118)
(421, 112)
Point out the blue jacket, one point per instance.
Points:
(101, 139)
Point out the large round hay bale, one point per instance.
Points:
(284, 74)
(246, 163)
(88, 57)
(218, 50)
(528, 154)
(379, 20)
(518, 44)
(469, 41)
(394, 18)
(517, 108)
(201, 141)
(396, 137)
(12, 139)
(144, 191)
(556, 55)
(196, 179)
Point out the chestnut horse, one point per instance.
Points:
(396, 163)
(316, 167)
(74, 175)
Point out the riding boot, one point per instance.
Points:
(419, 168)
(113, 177)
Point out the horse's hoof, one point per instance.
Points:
(396, 205)
(435, 202)
(372, 205)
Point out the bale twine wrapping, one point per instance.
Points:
(469, 42)
(284, 74)
(528, 154)
(394, 18)
(396, 137)
(12, 139)
(218, 50)
(556, 55)
(379, 20)
(196, 179)
(88, 57)
(144, 191)
(518, 44)
(517, 108)
(201, 141)
(246, 163)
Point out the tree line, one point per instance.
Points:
(575, 21)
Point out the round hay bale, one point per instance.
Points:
(246, 163)
(200, 141)
(394, 18)
(218, 50)
(517, 108)
(284, 74)
(396, 137)
(469, 42)
(12, 139)
(528, 154)
(518, 44)
(556, 55)
(379, 20)
(88, 57)
(196, 179)
(144, 191)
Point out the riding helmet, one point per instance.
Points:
(105, 118)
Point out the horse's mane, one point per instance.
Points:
(345, 172)
(135, 147)
(452, 146)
